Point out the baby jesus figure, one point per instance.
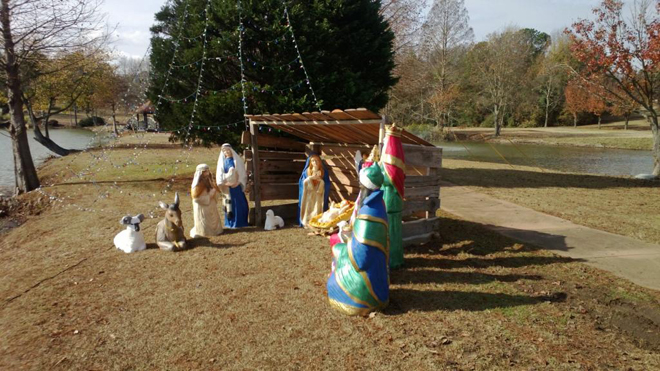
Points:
(334, 211)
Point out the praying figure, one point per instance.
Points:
(359, 282)
(204, 194)
(314, 187)
(232, 178)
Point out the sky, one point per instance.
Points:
(133, 18)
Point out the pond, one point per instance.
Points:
(67, 138)
(617, 162)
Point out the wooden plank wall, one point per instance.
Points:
(422, 188)
(281, 161)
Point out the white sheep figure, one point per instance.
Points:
(272, 221)
(130, 239)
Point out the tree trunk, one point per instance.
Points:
(75, 114)
(44, 141)
(575, 120)
(656, 145)
(50, 106)
(625, 127)
(114, 121)
(24, 170)
(599, 121)
(497, 121)
(547, 108)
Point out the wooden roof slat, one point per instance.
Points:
(350, 126)
(338, 115)
(362, 114)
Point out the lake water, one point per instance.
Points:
(571, 159)
(67, 138)
(617, 162)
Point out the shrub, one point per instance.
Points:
(489, 122)
(91, 121)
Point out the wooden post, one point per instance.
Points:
(256, 183)
(381, 133)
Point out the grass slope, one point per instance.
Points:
(251, 299)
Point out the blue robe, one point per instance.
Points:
(326, 191)
(239, 203)
(359, 283)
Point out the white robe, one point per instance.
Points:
(312, 198)
(206, 215)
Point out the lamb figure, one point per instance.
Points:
(130, 239)
(272, 221)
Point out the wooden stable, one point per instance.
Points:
(274, 164)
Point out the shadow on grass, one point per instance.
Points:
(464, 237)
(424, 276)
(466, 245)
(193, 243)
(408, 300)
(511, 178)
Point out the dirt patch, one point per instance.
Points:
(14, 211)
(638, 320)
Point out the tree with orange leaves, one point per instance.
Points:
(577, 100)
(622, 57)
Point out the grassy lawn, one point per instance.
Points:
(611, 135)
(623, 206)
(250, 299)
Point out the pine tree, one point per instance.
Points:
(345, 45)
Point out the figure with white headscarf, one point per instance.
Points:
(204, 194)
(232, 178)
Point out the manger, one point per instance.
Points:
(274, 164)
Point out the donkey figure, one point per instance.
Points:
(169, 231)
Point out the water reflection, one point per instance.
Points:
(67, 138)
(617, 162)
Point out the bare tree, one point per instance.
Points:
(446, 34)
(31, 29)
(501, 65)
(405, 20)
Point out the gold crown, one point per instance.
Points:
(374, 156)
(393, 130)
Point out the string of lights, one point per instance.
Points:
(241, 29)
(302, 65)
(201, 91)
(104, 155)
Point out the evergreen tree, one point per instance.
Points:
(345, 45)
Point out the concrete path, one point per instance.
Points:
(626, 257)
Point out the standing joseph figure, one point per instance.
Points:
(232, 178)
(205, 207)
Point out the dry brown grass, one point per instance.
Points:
(251, 299)
(638, 137)
(615, 204)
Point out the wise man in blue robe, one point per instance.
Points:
(359, 282)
